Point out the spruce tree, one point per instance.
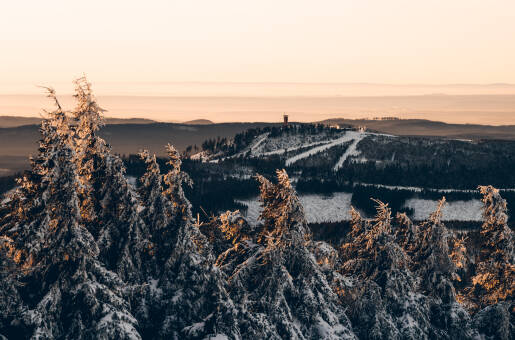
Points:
(493, 285)
(385, 302)
(109, 204)
(279, 288)
(188, 298)
(495, 273)
(67, 292)
(232, 239)
(11, 305)
(436, 269)
(158, 213)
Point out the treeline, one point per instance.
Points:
(425, 176)
(212, 190)
(210, 179)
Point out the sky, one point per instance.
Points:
(137, 47)
(395, 42)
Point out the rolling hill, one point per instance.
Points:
(428, 128)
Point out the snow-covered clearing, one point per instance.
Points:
(219, 337)
(318, 208)
(132, 180)
(259, 142)
(335, 208)
(289, 142)
(452, 211)
(282, 151)
(349, 136)
(200, 156)
(420, 189)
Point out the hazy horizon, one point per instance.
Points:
(160, 55)
(306, 102)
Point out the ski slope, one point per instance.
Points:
(351, 151)
(349, 136)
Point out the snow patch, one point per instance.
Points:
(351, 151)
(349, 136)
(132, 180)
(218, 337)
(318, 208)
(455, 210)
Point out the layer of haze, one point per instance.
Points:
(206, 56)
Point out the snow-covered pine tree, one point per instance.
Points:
(329, 261)
(436, 269)
(158, 212)
(27, 203)
(174, 179)
(109, 204)
(405, 232)
(123, 239)
(431, 258)
(11, 305)
(67, 292)
(91, 152)
(188, 299)
(495, 273)
(385, 301)
(493, 286)
(279, 288)
(232, 239)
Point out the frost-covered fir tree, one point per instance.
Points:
(232, 239)
(279, 288)
(493, 286)
(91, 152)
(174, 180)
(11, 306)
(67, 292)
(159, 213)
(495, 273)
(433, 264)
(157, 209)
(405, 232)
(188, 298)
(123, 237)
(109, 204)
(385, 302)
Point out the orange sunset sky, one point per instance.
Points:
(258, 48)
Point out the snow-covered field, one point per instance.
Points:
(420, 189)
(335, 208)
(318, 208)
(132, 180)
(457, 210)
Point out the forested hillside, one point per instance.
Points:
(86, 254)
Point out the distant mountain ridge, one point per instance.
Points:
(199, 122)
(15, 121)
(429, 128)
(127, 136)
(20, 141)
